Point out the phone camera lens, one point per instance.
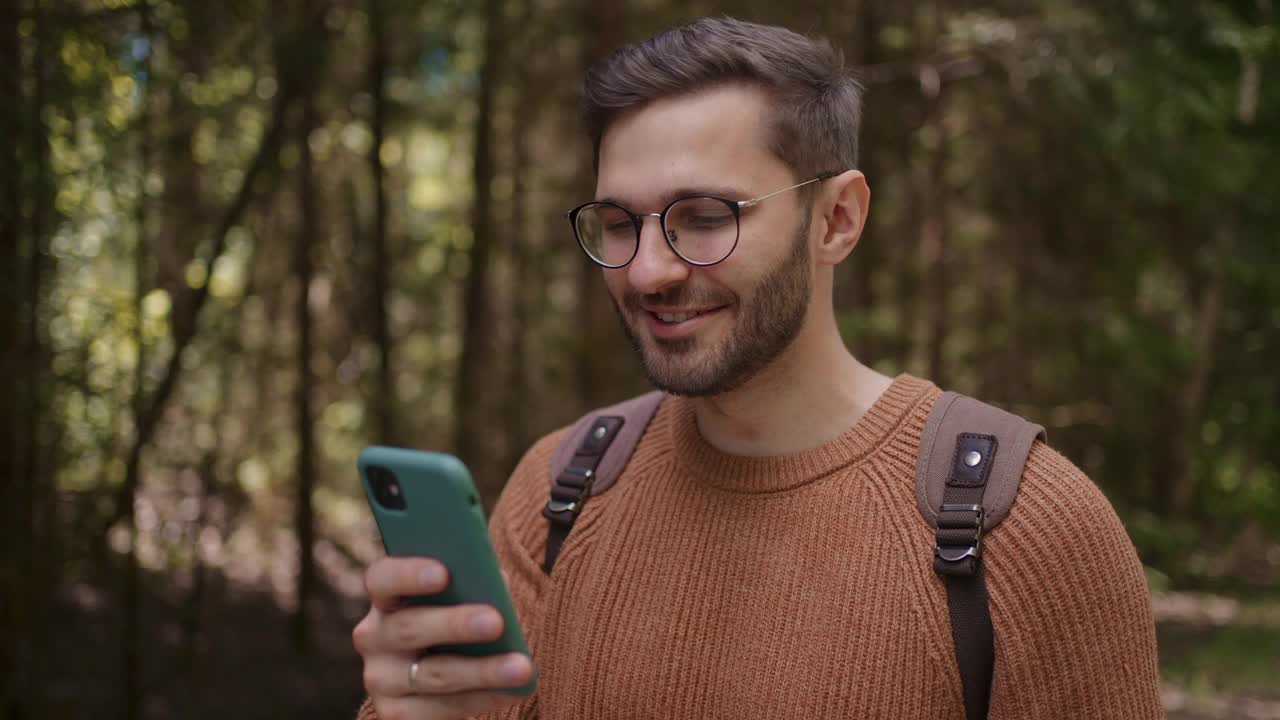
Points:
(386, 488)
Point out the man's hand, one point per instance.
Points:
(393, 636)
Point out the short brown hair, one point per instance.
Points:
(816, 101)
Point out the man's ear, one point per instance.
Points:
(844, 202)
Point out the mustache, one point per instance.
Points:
(680, 295)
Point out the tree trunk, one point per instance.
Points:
(471, 403)
(304, 515)
(130, 641)
(856, 294)
(526, 278)
(597, 326)
(933, 245)
(933, 199)
(1192, 400)
(1208, 317)
(384, 395)
(13, 498)
(26, 487)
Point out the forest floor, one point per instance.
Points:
(234, 659)
(1219, 656)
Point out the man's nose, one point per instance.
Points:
(655, 266)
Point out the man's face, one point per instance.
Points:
(706, 330)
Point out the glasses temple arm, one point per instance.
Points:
(754, 201)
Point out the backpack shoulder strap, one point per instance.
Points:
(589, 460)
(967, 474)
(953, 414)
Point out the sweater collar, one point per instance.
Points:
(743, 474)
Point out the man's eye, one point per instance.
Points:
(703, 221)
(617, 227)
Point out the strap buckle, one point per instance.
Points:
(959, 533)
(569, 494)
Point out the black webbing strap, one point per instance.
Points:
(572, 486)
(958, 558)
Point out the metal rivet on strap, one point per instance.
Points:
(972, 458)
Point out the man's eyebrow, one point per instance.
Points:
(728, 192)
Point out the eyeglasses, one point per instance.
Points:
(701, 229)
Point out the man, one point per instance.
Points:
(762, 555)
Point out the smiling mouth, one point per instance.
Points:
(675, 318)
(679, 317)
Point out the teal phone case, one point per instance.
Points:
(443, 519)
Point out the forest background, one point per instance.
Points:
(241, 240)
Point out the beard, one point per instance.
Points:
(769, 317)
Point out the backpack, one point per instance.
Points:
(967, 473)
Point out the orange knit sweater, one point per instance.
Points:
(705, 585)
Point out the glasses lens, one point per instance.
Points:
(702, 230)
(607, 233)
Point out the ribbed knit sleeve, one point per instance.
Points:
(519, 540)
(1069, 603)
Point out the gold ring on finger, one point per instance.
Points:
(413, 676)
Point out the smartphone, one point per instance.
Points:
(426, 505)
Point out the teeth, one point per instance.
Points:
(676, 317)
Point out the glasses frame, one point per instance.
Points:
(637, 221)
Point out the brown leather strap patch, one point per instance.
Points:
(954, 414)
(635, 414)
